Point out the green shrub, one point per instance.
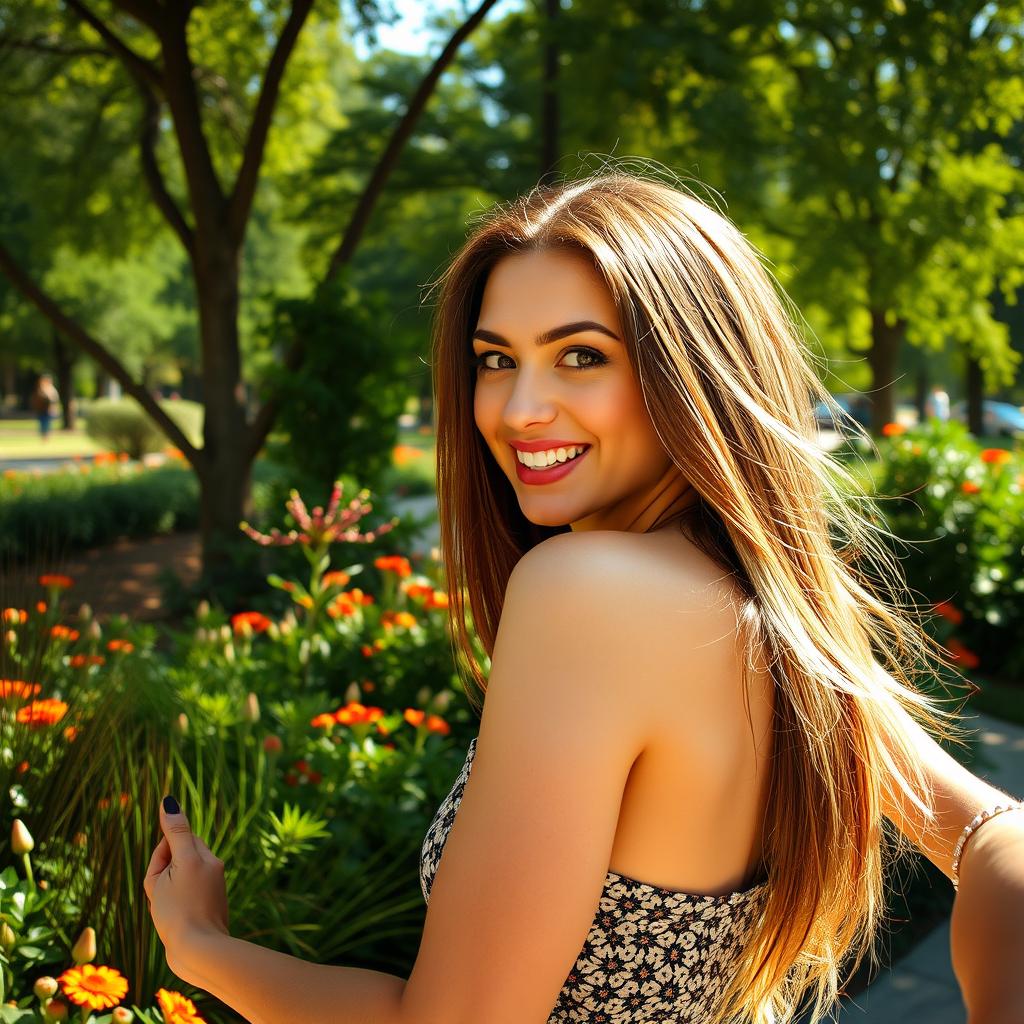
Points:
(962, 508)
(62, 511)
(121, 425)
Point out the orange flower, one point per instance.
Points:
(414, 716)
(71, 733)
(256, 622)
(341, 607)
(970, 487)
(391, 619)
(324, 721)
(893, 429)
(176, 1008)
(961, 654)
(42, 712)
(16, 688)
(121, 645)
(41, 607)
(98, 988)
(996, 456)
(337, 578)
(402, 454)
(366, 650)
(438, 599)
(418, 589)
(355, 713)
(437, 724)
(394, 563)
(15, 616)
(949, 612)
(174, 453)
(55, 581)
(64, 633)
(84, 660)
(104, 458)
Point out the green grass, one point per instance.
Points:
(19, 439)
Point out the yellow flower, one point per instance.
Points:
(98, 988)
(176, 1008)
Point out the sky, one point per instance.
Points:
(409, 34)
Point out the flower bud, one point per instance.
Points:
(304, 652)
(84, 950)
(181, 724)
(21, 838)
(423, 697)
(121, 1015)
(225, 633)
(273, 631)
(442, 700)
(79, 839)
(55, 1011)
(43, 884)
(11, 637)
(45, 987)
(94, 631)
(229, 653)
(7, 937)
(353, 695)
(251, 709)
(85, 612)
(202, 609)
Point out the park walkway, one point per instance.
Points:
(921, 989)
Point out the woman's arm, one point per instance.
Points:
(987, 926)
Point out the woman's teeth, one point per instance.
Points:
(545, 460)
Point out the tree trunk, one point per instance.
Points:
(64, 361)
(882, 357)
(226, 466)
(921, 388)
(975, 397)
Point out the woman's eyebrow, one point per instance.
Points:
(547, 337)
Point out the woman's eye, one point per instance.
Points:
(586, 358)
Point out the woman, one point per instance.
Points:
(701, 691)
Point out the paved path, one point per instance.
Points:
(921, 989)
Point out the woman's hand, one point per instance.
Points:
(185, 887)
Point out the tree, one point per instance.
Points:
(165, 53)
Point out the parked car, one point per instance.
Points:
(999, 419)
(854, 405)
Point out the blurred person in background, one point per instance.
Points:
(43, 403)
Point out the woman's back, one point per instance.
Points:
(684, 883)
(692, 810)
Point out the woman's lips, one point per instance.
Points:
(549, 476)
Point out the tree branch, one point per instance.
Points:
(78, 336)
(264, 419)
(248, 175)
(148, 135)
(138, 66)
(361, 215)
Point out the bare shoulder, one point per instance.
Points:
(655, 601)
(648, 576)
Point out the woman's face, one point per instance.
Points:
(552, 368)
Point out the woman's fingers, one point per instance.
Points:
(158, 862)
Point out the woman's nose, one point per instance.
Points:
(530, 401)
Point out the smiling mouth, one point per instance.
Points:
(558, 457)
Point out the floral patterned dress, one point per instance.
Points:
(652, 956)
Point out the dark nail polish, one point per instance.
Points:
(171, 805)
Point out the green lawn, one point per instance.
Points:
(19, 439)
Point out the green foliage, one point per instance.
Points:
(62, 511)
(122, 426)
(961, 508)
(340, 410)
(222, 716)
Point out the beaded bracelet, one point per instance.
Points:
(975, 823)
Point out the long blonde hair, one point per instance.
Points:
(730, 387)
